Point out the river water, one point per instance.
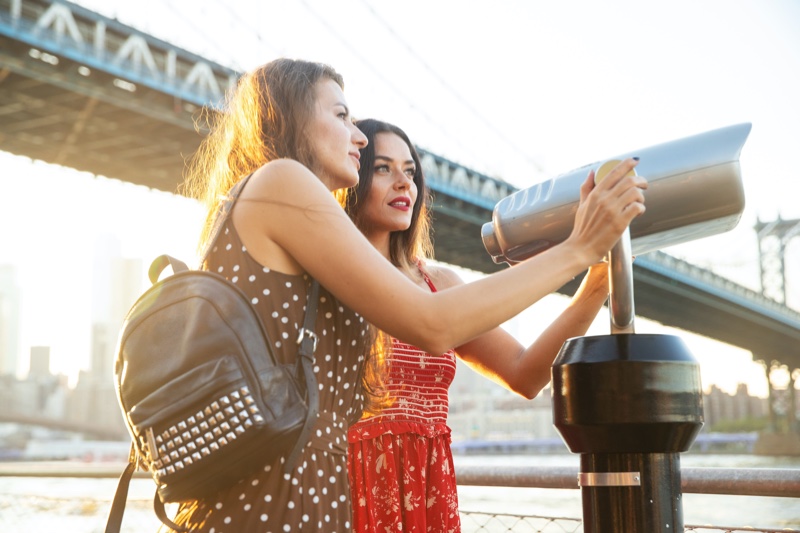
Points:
(81, 505)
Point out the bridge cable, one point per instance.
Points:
(206, 34)
(451, 90)
(246, 24)
(383, 78)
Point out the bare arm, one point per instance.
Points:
(526, 371)
(289, 221)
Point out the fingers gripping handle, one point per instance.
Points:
(620, 269)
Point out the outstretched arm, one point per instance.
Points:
(526, 371)
(290, 222)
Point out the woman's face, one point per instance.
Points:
(391, 198)
(334, 139)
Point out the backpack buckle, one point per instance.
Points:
(305, 333)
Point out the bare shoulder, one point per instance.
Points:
(273, 212)
(282, 176)
(443, 277)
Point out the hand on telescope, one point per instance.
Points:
(606, 209)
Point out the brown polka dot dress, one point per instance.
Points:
(315, 496)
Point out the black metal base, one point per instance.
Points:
(629, 404)
(653, 507)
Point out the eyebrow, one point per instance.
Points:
(386, 158)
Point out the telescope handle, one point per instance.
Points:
(620, 285)
(620, 270)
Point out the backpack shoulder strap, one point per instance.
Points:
(224, 211)
(114, 521)
(160, 263)
(307, 341)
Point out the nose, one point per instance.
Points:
(402, 181)
(358, 137)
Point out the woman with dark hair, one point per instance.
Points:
(399, 458)
(287, 125)
(414, 242)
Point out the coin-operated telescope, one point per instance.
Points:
(630, 403)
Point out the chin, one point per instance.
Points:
(342, 182)
(348, 184)
(348, 180)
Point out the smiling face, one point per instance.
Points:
(334, 139)
(389, 205)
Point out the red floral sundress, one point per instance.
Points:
(399, 461)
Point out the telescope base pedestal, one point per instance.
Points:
(654, 506)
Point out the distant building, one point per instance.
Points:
(40, 394)
(40, 361)
(10, 306)
(482, 409)
(117, 285)
(720, 406)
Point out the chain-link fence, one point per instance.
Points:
(26, 512)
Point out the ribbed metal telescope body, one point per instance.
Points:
(694, 191)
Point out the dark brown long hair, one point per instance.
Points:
(410, 245)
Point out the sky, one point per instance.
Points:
(521, 90)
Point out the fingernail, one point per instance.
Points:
(635, 158)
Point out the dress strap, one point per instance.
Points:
(425, 276)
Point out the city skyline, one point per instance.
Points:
(478, 408)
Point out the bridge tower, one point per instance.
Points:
(773, 241)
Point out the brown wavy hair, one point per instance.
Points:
(264, 118)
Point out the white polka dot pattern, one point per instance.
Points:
(315, 495)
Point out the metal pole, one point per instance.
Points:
(620, 281)
(649, 500)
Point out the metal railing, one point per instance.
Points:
(776, 482)
(20, 511)
(766, 482)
